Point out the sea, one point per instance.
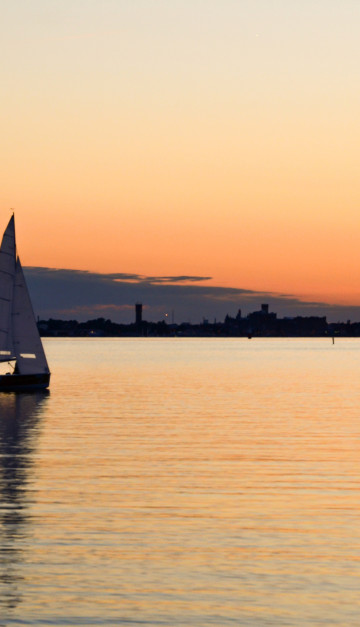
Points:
(184, 482)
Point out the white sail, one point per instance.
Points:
(7, 276)
(29, 352)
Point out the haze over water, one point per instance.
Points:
(183, 482)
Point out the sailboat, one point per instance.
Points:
(20, 344)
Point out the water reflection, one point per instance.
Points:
(19, 424)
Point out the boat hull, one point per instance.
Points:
(23, 382)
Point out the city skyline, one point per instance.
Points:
(200, 139)
(70, 294)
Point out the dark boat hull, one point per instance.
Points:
(23, 382)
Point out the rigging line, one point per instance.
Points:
(8, 273)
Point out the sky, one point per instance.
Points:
(206, 139)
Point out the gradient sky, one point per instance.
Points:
(193, 137)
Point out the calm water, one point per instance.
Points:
(184, 483)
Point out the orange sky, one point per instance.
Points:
(206, 138)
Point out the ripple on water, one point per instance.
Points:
(183, 482)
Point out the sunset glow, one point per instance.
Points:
(197, 138)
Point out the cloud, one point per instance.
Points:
(139, 278)
(176, 279)
(59, 293)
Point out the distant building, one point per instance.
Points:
(262, 315)
(138, 314)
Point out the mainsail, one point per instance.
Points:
(7, 277)
(19, 336)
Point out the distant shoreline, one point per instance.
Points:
(254, 325)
